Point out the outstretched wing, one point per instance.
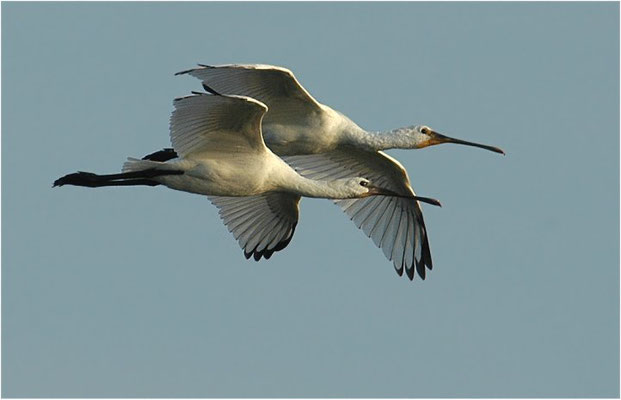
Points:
(220, 124)
(394, 224)
(275, 86)
(261, 224)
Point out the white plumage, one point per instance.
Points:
(325, 144)
(219, 151)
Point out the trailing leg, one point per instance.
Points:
(131, 178)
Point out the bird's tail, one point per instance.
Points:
(135, 165)
(135, 172)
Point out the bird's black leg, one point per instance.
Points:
(133, 178)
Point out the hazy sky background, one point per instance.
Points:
(143, 292)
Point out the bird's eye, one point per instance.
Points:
(364, 183)
(425, 130)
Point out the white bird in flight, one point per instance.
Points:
(220, 152)
(322, 143)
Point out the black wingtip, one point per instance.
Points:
(176, 99)
(258, 254)
(194, 93)
(187, 71)
(267, 253)
(210, 90)
(429, 200)
(286, 242)
(426, 257)
(420, 268)
(410, 273)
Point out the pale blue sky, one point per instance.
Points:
(143, 292)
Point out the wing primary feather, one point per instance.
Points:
(397, 241)
(280, 230)
(420, 266)
(210, 90)
(426, 254)
(388, 225)
(267, 253)
(363, 208)
(275, 231)
(258, 234)
(240, 227)
(410, 264)
(412, 242)
(187, 71)
(427, 249)
(372, 213)
(285, 242)
(382, 207)
(261, 224)
(410, 272)
(406, 241)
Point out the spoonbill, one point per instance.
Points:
(322, 143)
(220, 152)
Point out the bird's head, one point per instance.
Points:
(361, 187)
(423, 136)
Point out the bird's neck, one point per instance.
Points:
(394, 139)
(316, 188)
